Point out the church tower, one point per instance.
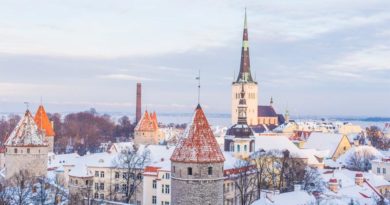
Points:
(239, 138)
(197, 166)
(245, 79)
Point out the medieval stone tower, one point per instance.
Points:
(45, 126)
(245, 78)
(197, 166)
(26, 149)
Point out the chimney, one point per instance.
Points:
(359, 179)
(333, 185)
(138, 106)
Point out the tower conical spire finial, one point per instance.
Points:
(245, 22)
(245, 72)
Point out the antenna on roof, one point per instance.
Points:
(27, 105)
(198, 78)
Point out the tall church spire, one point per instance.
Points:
(245, 71)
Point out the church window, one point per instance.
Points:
(189, 171)
(210, 170)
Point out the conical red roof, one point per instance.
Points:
(198, 144)
(146, 123)
(43, 122)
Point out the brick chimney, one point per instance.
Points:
(138, 108)
(359, 179)
(333, 185)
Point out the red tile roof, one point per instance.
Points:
(43, 122)
(198, 144)
(147, 123)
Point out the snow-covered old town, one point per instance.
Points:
(262, 152)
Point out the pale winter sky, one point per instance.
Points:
(315, 57)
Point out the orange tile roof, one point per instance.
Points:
(198, 144)
(146, 123)
(43, 122)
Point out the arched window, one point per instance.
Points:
(238, 148)
(245, 148)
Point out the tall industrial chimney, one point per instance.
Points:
(139, 106)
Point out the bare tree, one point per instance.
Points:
(5, 193)
(245, 181)
(360, 160)
(133, 161)
(59, 193)
(22, 186)
(312, 181)
(260, 159)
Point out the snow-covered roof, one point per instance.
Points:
(57, 160)
(269, 142)
(349, 190)
(158, 154)
(323, 142)
(359, 151)
(291, 198)
(26, 133)
(198, 145)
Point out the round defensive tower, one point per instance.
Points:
(197, 165)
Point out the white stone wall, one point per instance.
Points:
(33, 159)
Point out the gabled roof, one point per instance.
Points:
(266, 111)
(26, 133)
(43, 122)
(324, 142)
(147, 123)
(198, 144)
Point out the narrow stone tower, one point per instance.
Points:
(26, 149)
(197, 166)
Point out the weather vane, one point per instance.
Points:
(198, 78)
(27, 104)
